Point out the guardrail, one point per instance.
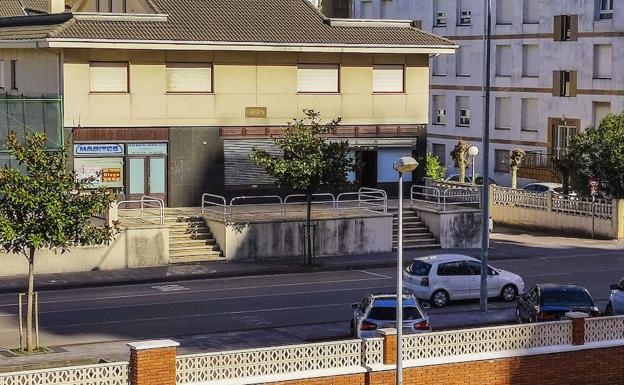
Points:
(99, 374)
(374, 200)
(144, 206)
(444, 198)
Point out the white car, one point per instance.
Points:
(616, 299)
(447, 277)
(542, 187)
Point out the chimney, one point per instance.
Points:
(56, 6)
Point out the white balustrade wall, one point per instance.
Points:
(100, 374)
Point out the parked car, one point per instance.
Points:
(542, 187)
(478, 180)
(447, 277)
(378, 311)
(616, 300)
(550, 302)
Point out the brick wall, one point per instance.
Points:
(584, 367)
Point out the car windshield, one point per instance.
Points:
(419, 268)
(558, 190)
(389, 313)
(566, 298)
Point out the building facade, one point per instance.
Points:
(554, 73)
(158, 103)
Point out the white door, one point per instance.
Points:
(455, 278)
(493, 282)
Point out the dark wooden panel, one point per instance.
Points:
(121, 134)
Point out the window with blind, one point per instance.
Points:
(462, 104)
(504, 11)
(439, 110)
(189, 77)
(529, 114)
(439, 151)
(388, 78)
(601, 110)
(503, 60)
(462, 61)
(501, 159)
(602, 61)
(108, 76)
(531, 12)
(317, 78)
(530, 60)
(439, 65)
(503, 113)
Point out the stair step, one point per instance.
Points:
(189, 230)
(414, 236)
(414, 247)
(416, 241)
(191, 242)
(194, 252)
(195, 258)
(193, 248)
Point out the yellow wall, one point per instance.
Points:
(241, 79)
(36, 71)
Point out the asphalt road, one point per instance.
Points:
(295, 307)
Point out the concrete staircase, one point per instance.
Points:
(190, 240)
(416, 234)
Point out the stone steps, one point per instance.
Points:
(416, 234)
(190, 240)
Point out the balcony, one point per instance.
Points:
(539, 167)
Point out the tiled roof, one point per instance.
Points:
(35, 32)
(11, 8)
(243, 21)
(36, 5)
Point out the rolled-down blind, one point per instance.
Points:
(109, 77)
(189, 77)
(317, 78)
(388, 78)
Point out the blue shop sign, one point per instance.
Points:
(98, 149)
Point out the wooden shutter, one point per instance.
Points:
(108, 76)
(317, 78)
(557, 35)
(574, 23)
(556, 83)
(189, 77)
(388, 78)
(573, 80)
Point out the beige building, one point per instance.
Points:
(167, 97)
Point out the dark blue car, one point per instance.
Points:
(550, 302)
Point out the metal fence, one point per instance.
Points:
(263, 206)
(145, 208)
(445, 198)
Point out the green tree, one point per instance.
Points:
(309, 161)
(599, 152)
(434, 169)
(44, 206)
(515, 161)
(460, 157)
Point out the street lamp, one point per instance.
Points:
(473, 151)
(403, 165)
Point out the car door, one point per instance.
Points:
(617, 301)
(455, 279)
(493, 283)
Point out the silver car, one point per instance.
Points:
(616, 300)
(378, 311)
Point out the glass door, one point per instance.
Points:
(147, 176)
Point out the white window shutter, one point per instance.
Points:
(601, 110)
(602, 61)
(531, 11)
(109, 77)
(189, 77)
(530, 114)
(503, 60)
(503, 113)
(388, 78)
(530, 60)
(317, 78)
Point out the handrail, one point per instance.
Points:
(146, 202)
(443, 197)
(219, 198)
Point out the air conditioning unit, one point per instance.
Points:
(464, 17)
(464, 117)
(441, 19)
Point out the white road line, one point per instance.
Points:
(184, 316)
(374, 274)
(194, 301)
(191, 291)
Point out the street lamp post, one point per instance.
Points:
(403, 165)
(473, 151)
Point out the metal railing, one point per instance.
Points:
(506, 196)
(445, 198)
(99, 374)
(263, 206)
(147, 206)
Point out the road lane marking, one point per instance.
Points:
(52, 327)
(198, 300)
(374, 274)
(191, 291)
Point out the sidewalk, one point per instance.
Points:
(506, 244)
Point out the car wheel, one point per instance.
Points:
(439, 298)
(609, 309)
(509, 293)
(518, 317)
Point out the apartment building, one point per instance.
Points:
(554, 72)
(167, 98)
